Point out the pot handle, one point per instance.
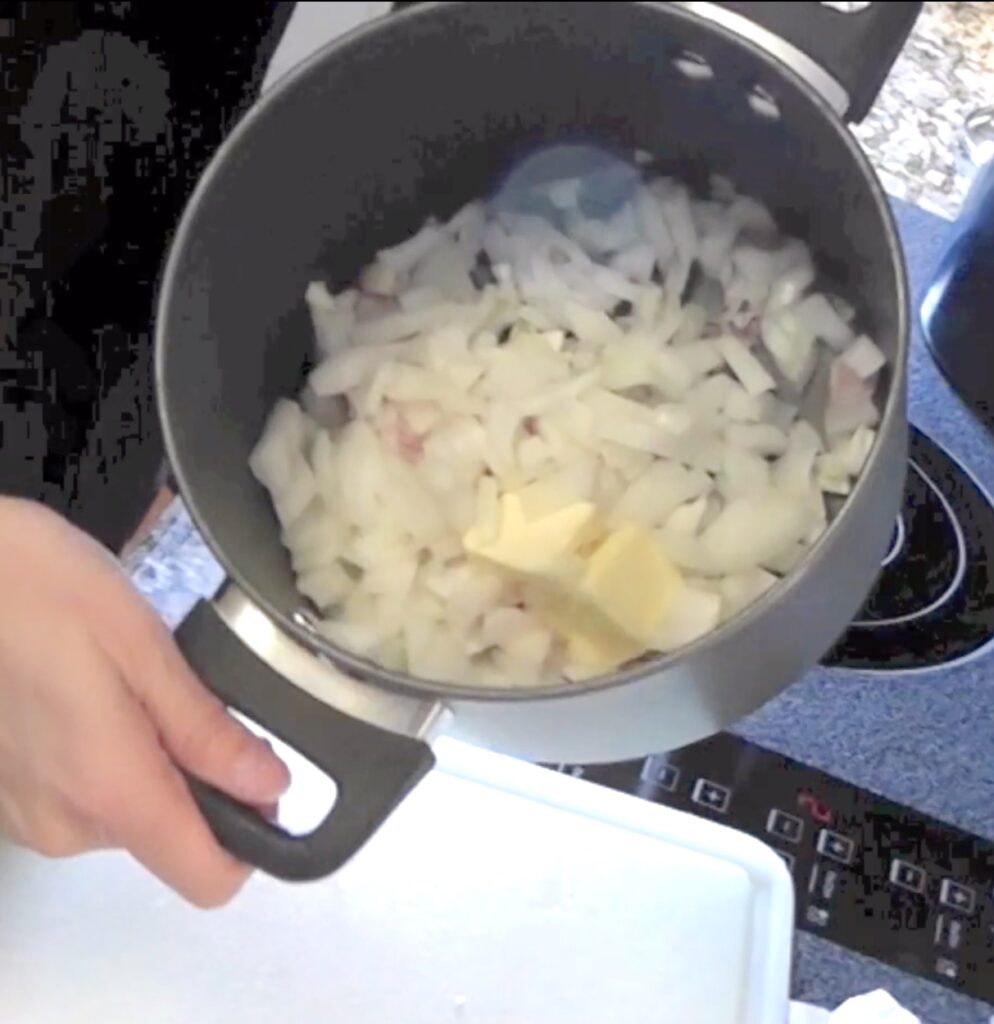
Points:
(857, 48)
(373, 769)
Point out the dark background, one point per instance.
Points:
(108, 114)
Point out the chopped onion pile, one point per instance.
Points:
(670, 362)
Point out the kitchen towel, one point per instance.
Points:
(877, 1007)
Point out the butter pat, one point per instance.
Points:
(631, 582)
(538, 547)
(607, 604)
(591, 639)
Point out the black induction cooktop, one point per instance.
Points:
(870, 874)
(933, 603)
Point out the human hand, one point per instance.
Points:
(99, 712)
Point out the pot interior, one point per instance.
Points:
(415, 115)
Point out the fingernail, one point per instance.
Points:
(259, 774)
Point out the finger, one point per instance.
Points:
(199, 733)
(150, 812)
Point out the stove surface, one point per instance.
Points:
(933, 603)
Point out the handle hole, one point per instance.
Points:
(763, 104)
(311, 795)
(847, 6)
(693, 65)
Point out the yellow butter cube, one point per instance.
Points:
(539, 547)
(631, 582)
(592, 639)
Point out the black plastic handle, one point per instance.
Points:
(373, 769)
(857, 48)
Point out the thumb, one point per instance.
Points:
(200, 735)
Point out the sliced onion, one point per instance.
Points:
(467, 224)
(401, 326)
(824, 322)
(284, 435)
(688, 518)
(693, 614)
(692, 324)
(850, 402)
(293, 500)
(333, 317)
(325, 586)
(379, 278)
(446, 273)
(760, 438)
(739, 590)
(402, 258)
(591, 325)
(675, 205)
(651, 498)
(788, 288)
(864, 358)
(743, 474)
(348, 370)
(668, 363)
(636, 263)
(746, 367)
(749, 531)
(654, 228)
(793, 471)
(791, 343)
(749, 214)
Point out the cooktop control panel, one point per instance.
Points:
(869, 874)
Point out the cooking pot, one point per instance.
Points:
(413, 115)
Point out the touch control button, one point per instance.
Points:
(835, 846)
(710, 794)
(785, 826)
(958, 897)
(907, 876)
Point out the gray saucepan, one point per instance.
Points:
(415, 114)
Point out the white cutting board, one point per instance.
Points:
(498, 894)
